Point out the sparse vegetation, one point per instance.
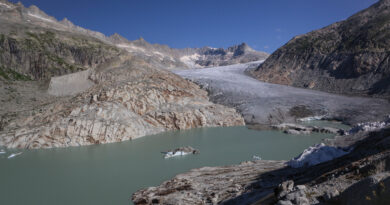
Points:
(9, 74)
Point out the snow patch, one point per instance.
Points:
(40, 17)
(189, 60)
(130, 48)
(306, 119)
(158, 53)
(316, 155)
(6, 5)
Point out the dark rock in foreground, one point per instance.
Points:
(365, 171)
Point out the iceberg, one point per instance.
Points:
(180, 152)
(14, 155)
(255, 157)
(316, 155)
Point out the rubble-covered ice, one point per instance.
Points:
(181, 151)
(265, 103)
(175, 154)
(316, 155)
(369, 126)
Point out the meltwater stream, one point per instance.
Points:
(110, 173)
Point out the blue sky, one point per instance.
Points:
(263, 24)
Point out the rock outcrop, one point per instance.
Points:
(348, 57)
(290, 128)
(212, 185)
(126, 102)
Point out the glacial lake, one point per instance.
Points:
(110, 173)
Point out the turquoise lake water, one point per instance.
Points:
(110, 173)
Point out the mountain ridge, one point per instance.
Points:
(33, 16)
(63, 85)
(347, 57)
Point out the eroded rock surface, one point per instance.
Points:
(125, 103)
(211, 185)
(63, 85)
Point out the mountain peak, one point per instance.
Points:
(117, 39)
(67, 23)
(240, 49)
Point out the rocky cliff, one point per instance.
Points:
(349, 57)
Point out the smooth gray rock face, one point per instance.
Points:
(265, 103)
(348, 57)
(70, 84)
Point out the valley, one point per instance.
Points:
(86, 118)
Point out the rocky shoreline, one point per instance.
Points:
(366, 169)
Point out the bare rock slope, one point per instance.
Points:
(62, 85)
(126, 102)
(348, 57)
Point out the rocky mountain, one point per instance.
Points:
(37, 46)
(349, 57)
(212, 57)
(62, 85)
